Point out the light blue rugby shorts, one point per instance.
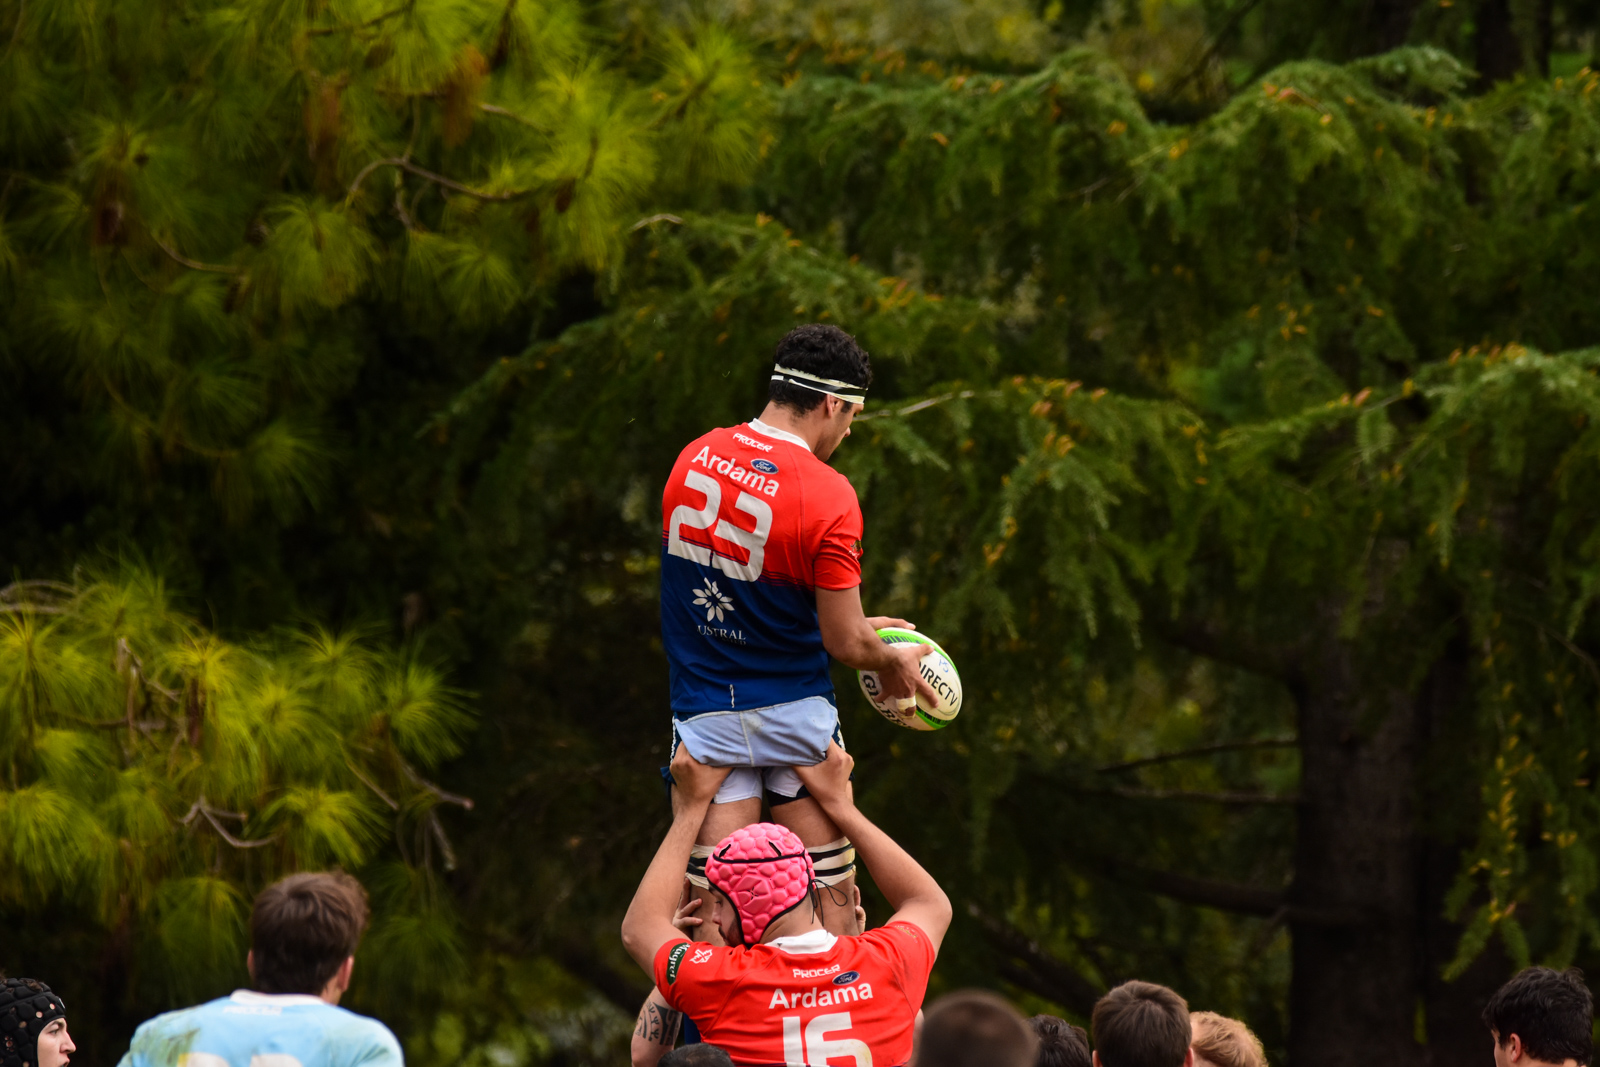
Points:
(761, 745)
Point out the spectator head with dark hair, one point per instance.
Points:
(818, 384)
(1141, 1024)
(974, 1029)
(1060, 1043)
(696, 1055)
(303, 934)
(1219, 1041)
(1540, 1017)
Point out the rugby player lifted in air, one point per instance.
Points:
(760, 583)
(783, 989)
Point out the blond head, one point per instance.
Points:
(1219, 1041)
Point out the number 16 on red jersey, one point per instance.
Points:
(812, 1047)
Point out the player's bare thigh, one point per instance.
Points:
(812, 826)
(721, 820)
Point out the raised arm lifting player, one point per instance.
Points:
(760, 583)
(784, 990)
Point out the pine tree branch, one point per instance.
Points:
(507, 113)
(436, 828)
(652, 219)
(428, 175)
(34, 595)
(16, 30)
(695, 92)
(192, 264)
(1271, 904)
(203, 810)
(1202, 750)
(370, 784)
(1204, 892)
(1233, 799)
(1217, 43)
(422, 783)
(1033, 968)
(923, 405)
(356, 27)
(1583, 657)
(1212, 638)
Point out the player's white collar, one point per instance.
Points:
(250, 996)
(810, 943)
(783, 435)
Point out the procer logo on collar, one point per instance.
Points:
(753, 443)
(817, 972)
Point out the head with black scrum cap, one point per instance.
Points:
(819, 383)
(33, 1025)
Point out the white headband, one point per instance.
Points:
(857, 394)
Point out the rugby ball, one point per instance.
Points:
(937, 670)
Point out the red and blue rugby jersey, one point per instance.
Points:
(752, 524)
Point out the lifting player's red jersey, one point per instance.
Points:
(753, 524)
(854, 1004)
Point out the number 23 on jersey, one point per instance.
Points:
(706, 517)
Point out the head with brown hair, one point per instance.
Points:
(1140, 1024)
(302, 930)
(974, 1029)
(1060, 1043)
(1219, 1041)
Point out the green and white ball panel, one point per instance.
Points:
(938, 670)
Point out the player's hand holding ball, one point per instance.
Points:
(933, 699)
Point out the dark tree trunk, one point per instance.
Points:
(1507, 45)
(1498, 49)
(1452, 1011)
(1543, 32)
(1385, 25)
(1353, 995)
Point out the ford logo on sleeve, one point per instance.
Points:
(765, 466)
(846, 978)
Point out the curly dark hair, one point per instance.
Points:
(1551, 1011)
(823, 350)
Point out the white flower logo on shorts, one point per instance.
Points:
(712, 599)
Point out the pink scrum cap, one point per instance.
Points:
(764, 871)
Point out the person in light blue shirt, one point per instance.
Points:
(303, 935)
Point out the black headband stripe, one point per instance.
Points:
(817, 857)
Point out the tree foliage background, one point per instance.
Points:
(1234, 430)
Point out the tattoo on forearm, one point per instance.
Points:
(659, 1024)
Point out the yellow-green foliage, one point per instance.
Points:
(155, 775)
